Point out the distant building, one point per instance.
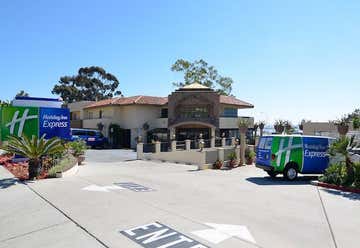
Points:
(326, 129)
(185, 114)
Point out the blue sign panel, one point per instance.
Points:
(54, 122)
(316, 158)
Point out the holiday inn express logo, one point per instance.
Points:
(19, 121)
(38, 121)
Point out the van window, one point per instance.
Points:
(262, 143)
(268, 143)
(91, 133)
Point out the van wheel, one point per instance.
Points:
(272, 174)
(291, 172)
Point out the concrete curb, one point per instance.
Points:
(72, 171)
(205, 166)
(332, 186)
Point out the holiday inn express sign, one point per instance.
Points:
(53, 122)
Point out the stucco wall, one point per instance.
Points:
(79, 106)
(229, 122)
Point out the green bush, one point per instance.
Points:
(333, 174)
(232, 156)
(77, 147)
(249, 154)
(66, 163)
(357, 175)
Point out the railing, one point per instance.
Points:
(149, 148)
(207, 143)
(164, 147)
(194, 144)
(218, 142)
(180, 145)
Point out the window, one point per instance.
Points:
(194, 112)
(164, 113)
(230, 112)
(262, 143)
(90, 115)
(268, 143)
(100, 114)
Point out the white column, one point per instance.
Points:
(221, 154)
(237, 153)
(212, 142)
(173, 145)
(232, 141)
(157, 147)
(139, 150)
(223, 142)
(187, 144)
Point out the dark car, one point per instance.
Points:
(93, 138)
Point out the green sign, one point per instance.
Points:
(18, 121)
(286, 149)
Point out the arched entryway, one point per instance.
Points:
(193, 131)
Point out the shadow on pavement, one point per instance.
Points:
(348, 195)
(7, 182)
(280, 180)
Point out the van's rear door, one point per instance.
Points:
(263, 152)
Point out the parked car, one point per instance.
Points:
(293, 154)
(93, 138)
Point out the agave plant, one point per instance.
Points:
(33, 149)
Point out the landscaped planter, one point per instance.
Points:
(337, 187)
(80, 159)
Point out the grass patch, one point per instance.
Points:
(65, 164)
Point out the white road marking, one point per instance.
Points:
(98, 188)
(221, 232)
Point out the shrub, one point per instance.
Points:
(232, 156)
(357, 175)
(218, 164)
(333, 174)
(77, 147)
(249, 156)
(64, 164)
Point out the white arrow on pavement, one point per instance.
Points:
(97, 188)
(221, 232)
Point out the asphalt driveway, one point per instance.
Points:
(110, 155)
(239, 208)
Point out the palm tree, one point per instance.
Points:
(342, 126)
(279, 126)
(243, 125)
(33, 149)
(261, 126)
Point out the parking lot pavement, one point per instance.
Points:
(237, 208)
(26, 220)
(110, 155)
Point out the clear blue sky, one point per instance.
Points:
(291, 60)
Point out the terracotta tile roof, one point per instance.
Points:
(142, 100)
(234, 101)
(154, 100)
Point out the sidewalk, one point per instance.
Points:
(26, 219)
